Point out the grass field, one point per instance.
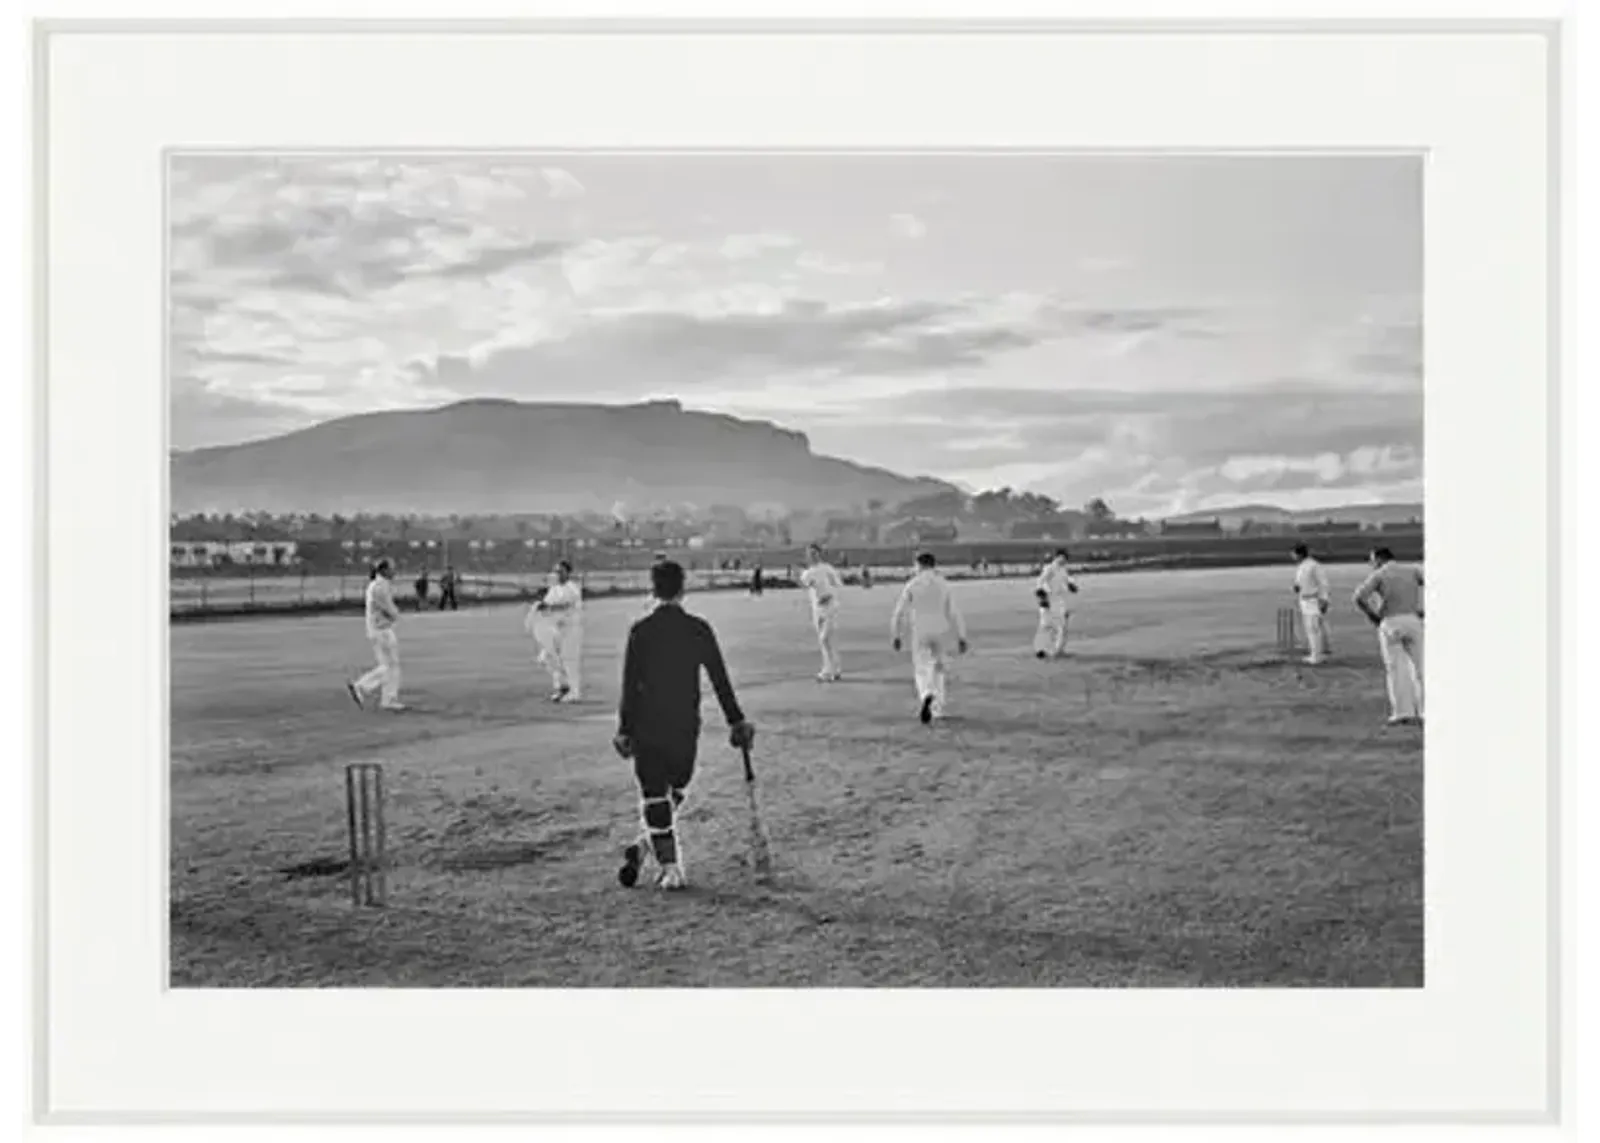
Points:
(1174, 805)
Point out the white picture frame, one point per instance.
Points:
(1480, 1043)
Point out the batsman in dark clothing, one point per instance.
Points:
(658, 724)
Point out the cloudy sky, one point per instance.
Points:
(1167, 332)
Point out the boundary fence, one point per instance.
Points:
(265, 589)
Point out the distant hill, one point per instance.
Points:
(497, 456)
(1369, 514)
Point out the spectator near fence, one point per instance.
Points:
(448, 583)
(422, 590)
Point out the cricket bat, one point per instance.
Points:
(760, 848)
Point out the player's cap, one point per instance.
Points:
(926, 560)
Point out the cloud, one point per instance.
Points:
(907, 226)
(1379, 347)
(306, 288)
(197, 416)
(492, 259)
(1150, 451)
(812, 262)
(760, 335)
(773, 337)
(740, 247)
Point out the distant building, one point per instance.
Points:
(1047, 530)
(1191, 527)
(194, 554)
(918, 531)
(221, 553)
(850, 530)
(1250, 527)
(1325, 527)
(1109, 529)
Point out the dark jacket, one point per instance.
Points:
(661, 677)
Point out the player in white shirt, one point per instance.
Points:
(1312, 595)
(1392, 598)
(556, 623)
(382, 614)
(930, 606)
(825, 584)
(1054, 590)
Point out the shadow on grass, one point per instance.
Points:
(316, 867)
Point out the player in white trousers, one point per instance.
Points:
(1313, 598)
(556, 624)
(825, 584)
(1391, 597)
(382, 614)
(1053, 590)
(930, 605)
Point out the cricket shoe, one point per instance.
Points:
(634, 858)
(925, 714)
(672, 878)
(569, 696)
(1040, 655)
(560, 694)
(393, 706)
(355, 694)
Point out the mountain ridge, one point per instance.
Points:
(1367, 513)
(488, 455)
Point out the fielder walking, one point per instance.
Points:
(1313, 598)
(382, 614)
(658, 721)
(1053, 590)
(448, 582)
(824, 583)
(556, 623)
(1391, 597)
(930, 606)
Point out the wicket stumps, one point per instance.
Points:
(1288, 630)
(363, 784)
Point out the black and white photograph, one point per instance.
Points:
(987, 569)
